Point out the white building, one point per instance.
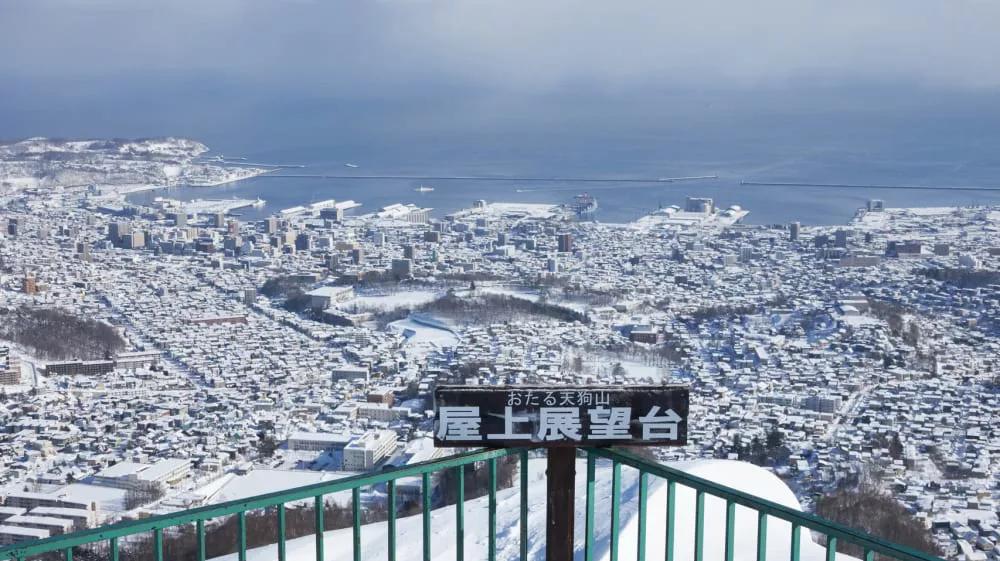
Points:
(363, 453)
(317, 441)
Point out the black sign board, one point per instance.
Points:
(550, 416)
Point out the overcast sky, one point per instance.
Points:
(395, 47)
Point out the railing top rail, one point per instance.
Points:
(57, 543)
(803, 519)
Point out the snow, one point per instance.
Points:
(262, 481)
(739, 475)
(107, 498)
(386, 302)
(422, 336)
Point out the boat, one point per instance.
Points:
(584, 205)
(258, 203)
(424, 189)
(350, 165)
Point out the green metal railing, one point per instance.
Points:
(112, 535)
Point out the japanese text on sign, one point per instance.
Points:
(546, 416)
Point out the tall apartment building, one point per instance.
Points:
(10, 368)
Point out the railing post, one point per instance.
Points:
(320, 526)
(730, 530)
(492, 551)
(796, 536)
(524, 504)
(616, 497)
(200, 530)
(282, 551)
(158, 545)
(588, 551)
(699, 525)
(560, 486)
(356, 516)
(460, 514)
(241, 534)
(640, 549)
(391, 523)
(761, 536)
(671, 511)
(425, 480)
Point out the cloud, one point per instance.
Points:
(396, 47)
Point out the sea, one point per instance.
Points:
(837, 135)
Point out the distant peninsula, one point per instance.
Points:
(114, 165)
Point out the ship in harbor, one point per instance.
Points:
(584, 206)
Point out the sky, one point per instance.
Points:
(390, 48)
(242, 74)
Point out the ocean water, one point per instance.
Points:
(851, 135)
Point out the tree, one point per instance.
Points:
(618, 370)
(896, 447)
(775, 439)
(266, 445)
(872, 510)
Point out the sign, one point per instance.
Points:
(550, 416)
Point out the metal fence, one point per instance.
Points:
(831, 534)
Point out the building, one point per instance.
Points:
(13, 226)
(325, 296)
(303, 242)
(385, 396)
(347, 372)
(28, 500)
(133, 475)
(402, 267)
(565, 243)
(335, 213)
(124, 361)
(10, 535)
(318, 441)
(116, 230)
(699, 205)
(136, 360)
(380, 412)
(249, 296)
(357, 256)
(840, 238)
(80, 368)
(10, 368)
(876, 205)
(52, 524)
(793, 231)
(364, 453)
(81, 518)
(271, 225)
(405, 213)
(644, 334)
(29, 285)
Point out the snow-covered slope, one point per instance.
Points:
(739, 475)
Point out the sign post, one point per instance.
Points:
(561, 418)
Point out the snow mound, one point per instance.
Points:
(738, 475)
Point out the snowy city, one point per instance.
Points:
(158, 358)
